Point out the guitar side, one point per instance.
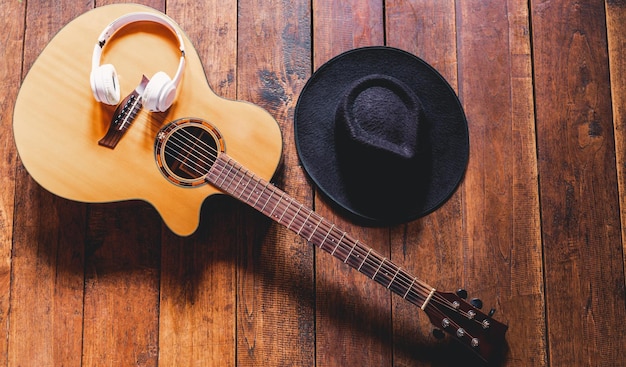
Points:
(57, 123)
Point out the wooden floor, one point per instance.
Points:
(536, 229)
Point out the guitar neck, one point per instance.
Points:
(234, 179)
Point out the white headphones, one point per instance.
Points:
(160, 92)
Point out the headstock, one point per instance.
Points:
(467, 324)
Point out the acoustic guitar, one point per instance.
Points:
(83, 150)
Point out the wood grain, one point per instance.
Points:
(501, 183)
(584, 267)
(456, 232)
(121, 312)
(198, 273)
(427, 29)
(616, 28)
(536, 228)
(45, 326)
(10, 74)
(353, 325)
(275, 309)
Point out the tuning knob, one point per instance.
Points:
(462, 293)
(477, 303)
(438, 333)
(491, 312)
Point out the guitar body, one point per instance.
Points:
(57, 122)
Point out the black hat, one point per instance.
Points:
(382, 134)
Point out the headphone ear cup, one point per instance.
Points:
(105, 84)
(159, 93)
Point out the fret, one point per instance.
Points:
(280, 220)
(256, 183)
(406, 286)
(358, 257)
(384, 276)
(365, 258)
(222, 174)
(238, 183)
(294, 217)
(268, 194)
(216, 175)
(409, 289)
(394, 278)
(248, 188)
(268, 200)
(232, 175)
(277, 199)
(327, 233)
(379, 266)
(350, 253)
(232, 182)
(275, 206)
(315, 229)
(338, 243)
(226, 176)
(304, 223)
(244, 179)
(260, 194)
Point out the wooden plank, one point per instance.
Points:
(353, 325)
(47, 287)
(198, 279)
(503, 256)
(616, 28)
(426, 28)
(121, 286)
(431, 247)
(198, 289)
(275, 299)
(464, 232)
(122, 271)
(584, 267)
(10, 74)
(47, 260)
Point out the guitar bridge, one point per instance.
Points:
(124, 115)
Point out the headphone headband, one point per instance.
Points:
(126, 19)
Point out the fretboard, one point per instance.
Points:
(234, 179)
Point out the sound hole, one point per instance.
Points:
(186, 149)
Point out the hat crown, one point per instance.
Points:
(370, 145)
(381, 114)
(377, 125)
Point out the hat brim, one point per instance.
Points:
(448, 137)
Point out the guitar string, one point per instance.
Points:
(199, 168)
(212, 155)
(320, 219)
(408, 281)
(437, 300)
(411, 287)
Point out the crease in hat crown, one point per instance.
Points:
(380, 114)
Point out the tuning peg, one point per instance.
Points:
(491, 312)
(462, 293)
(477, 303)
(438, 333)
